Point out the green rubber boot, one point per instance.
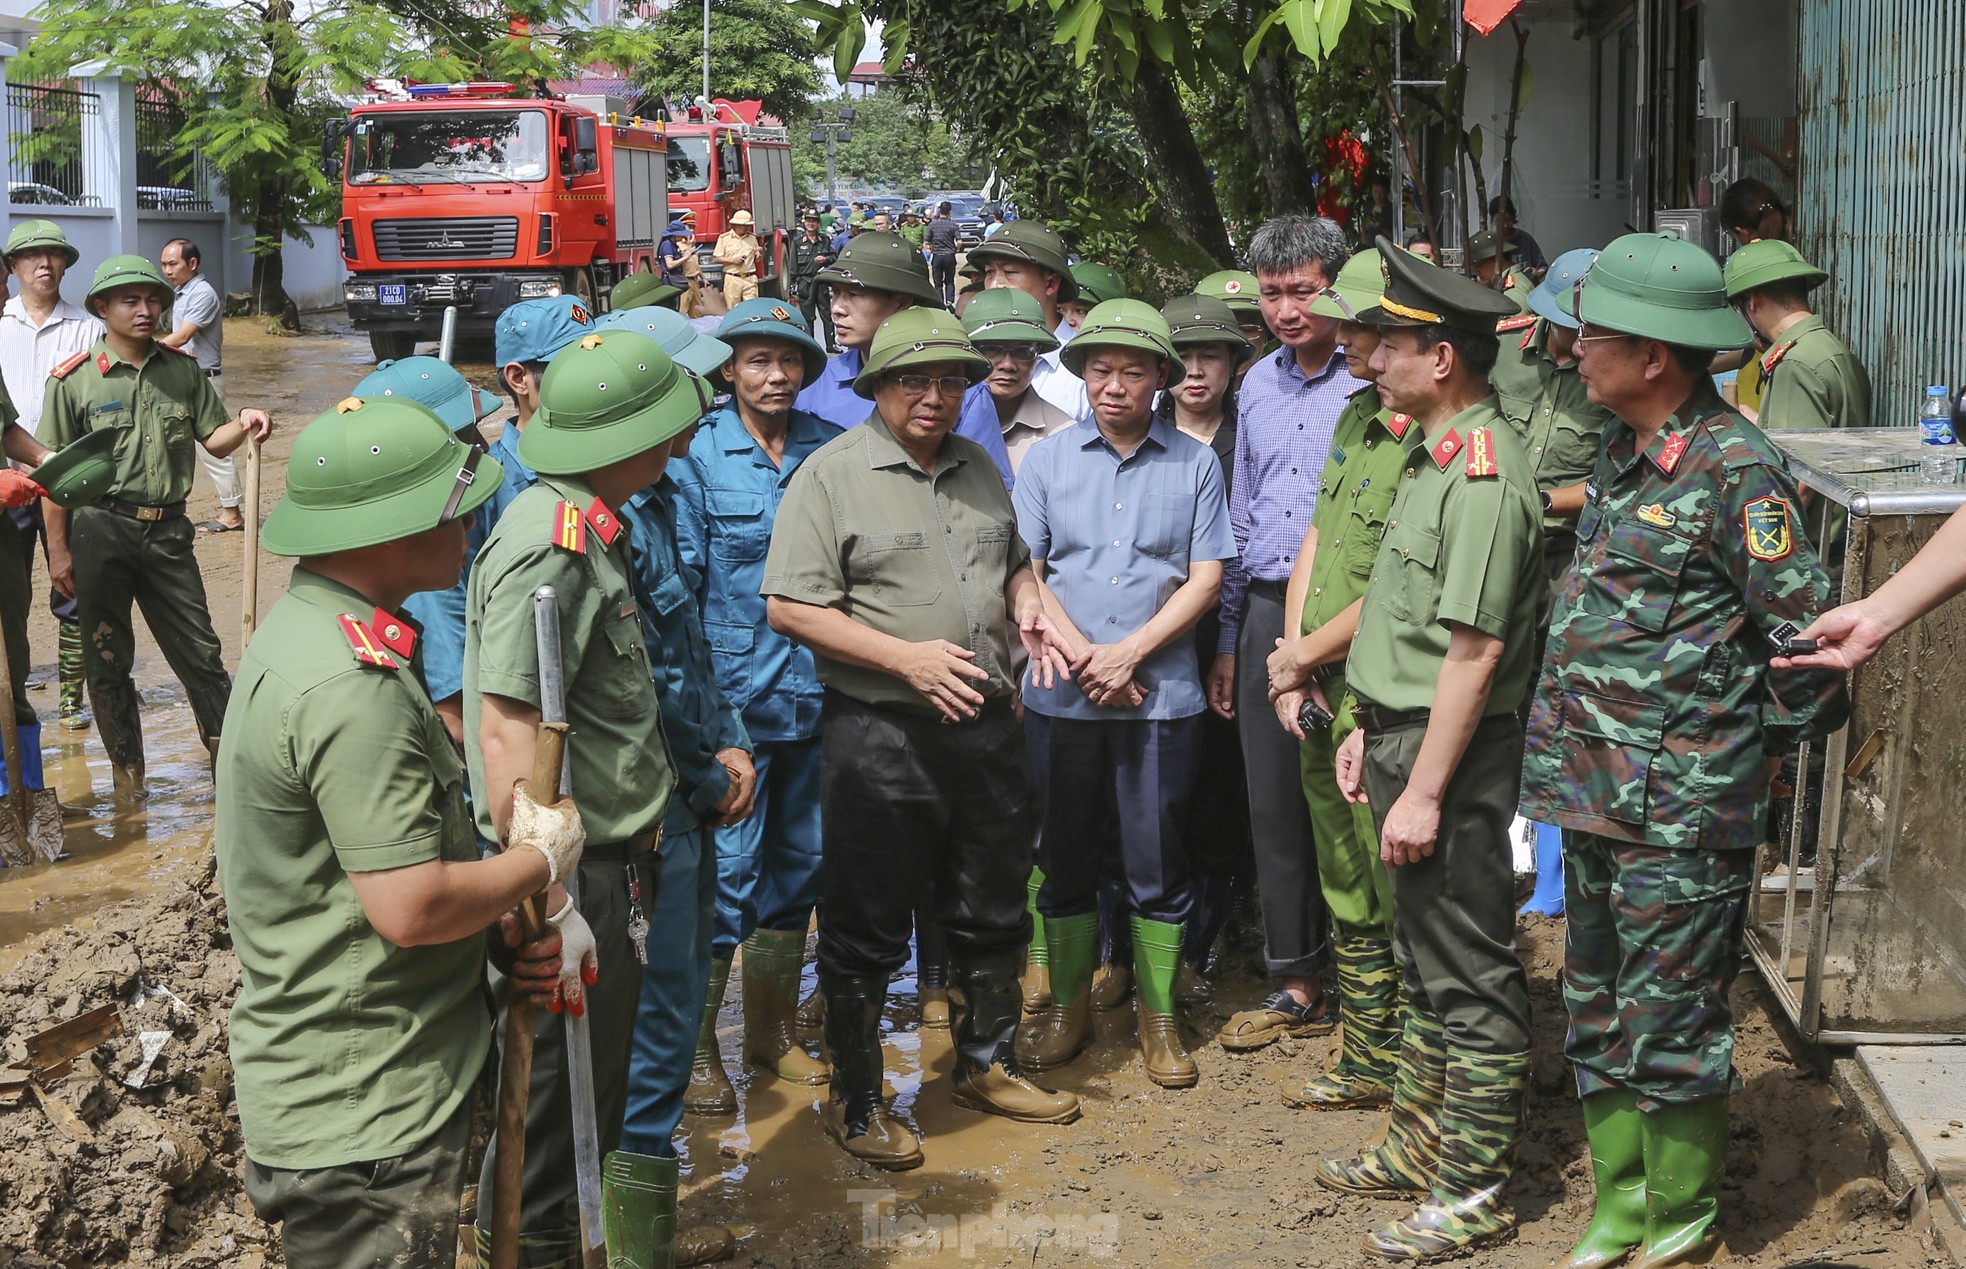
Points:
(1685, 1155)
(1036, 980)
(1404, 1163)
(68, 667)
(1368, 988)
(638, 1210)
(1060, 1032)
(1618, 1165)
(709, 1091)
(772, 961)
(1156, 963)
(1480, 1123)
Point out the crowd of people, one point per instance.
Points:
(1034, 637)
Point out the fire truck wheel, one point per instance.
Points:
(392, 345)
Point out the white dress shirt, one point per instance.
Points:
(28, 352)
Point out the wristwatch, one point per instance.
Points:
(1548, 507)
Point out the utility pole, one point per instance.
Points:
(706, 57)
(834, 131)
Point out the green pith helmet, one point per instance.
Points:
(639, 290)
(124, 271)
(44, 234)
(1768, 260)
(919, 337)
(1098, 282)
(1121, 324)
(767, 318)
(1486, 244)
(1031, 242)
(1419, 293)
(609, 397)
(1201, 319)
(1240, 291)
(883, 262)
(1006, 315)
(1358, 287)
(375, 470)
(80, 472)
(1659, 286)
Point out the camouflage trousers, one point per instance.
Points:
(1652, 946)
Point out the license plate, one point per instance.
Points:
(387, 294)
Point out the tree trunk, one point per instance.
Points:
(269, 288)
(1278, 138)
(1187, 191)
(1515, 110)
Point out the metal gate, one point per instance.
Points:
(1883, 187)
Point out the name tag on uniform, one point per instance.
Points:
(107, 408)
(1338, 455)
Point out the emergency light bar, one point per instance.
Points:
(475, 88)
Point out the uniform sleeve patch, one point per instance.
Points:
(1770, 532)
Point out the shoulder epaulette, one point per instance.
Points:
(1481, 453)
(571, 524)
(1516, 323)
(62, 371)
(363, 643)
(1774, 357)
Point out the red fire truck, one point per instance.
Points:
(722, 161)
(467, 195)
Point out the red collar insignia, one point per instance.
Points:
(606, 525)
(363, 642)
(102, 363)
(1398, 424)
(1446, 448)
(1670, 453)
(569, 530)
(1774, 357)
(396, 634)
(1481, 453)
(1526, 337)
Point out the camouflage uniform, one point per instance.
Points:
(1648, 734)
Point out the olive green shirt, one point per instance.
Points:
(917, 556)
(1460, 549)
(1517, 285)
(1355, 497)
(158, 409)
(345, 1047)
(619, 769)
(1552, 412)
(1813, 380)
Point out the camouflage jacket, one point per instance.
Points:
(1656, 706)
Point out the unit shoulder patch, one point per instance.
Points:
(364, 644)
(1770, 532)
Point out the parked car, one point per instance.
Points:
(33, 192)
(167, 196)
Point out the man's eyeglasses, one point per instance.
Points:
(1024, 354)
(951, 385)
(1586, 336)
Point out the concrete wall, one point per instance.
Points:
(314, 273)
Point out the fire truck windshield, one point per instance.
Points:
(448, 146)
(689, 164)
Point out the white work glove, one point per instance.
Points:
(554, 831)
(580, 963)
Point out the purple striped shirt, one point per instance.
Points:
(1284, 420)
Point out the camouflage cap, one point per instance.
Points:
(612, 395)
(919, 337)
(1132, 324)
(44, 235)
(1031, 242)
(1659, 286)
(883, 262)
(1768, 260)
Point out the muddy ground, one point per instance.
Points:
(1217, 1175)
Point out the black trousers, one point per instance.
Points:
(907, 802)
(1139, 772)
(1294, 919)
(818, 309)
(943, 270)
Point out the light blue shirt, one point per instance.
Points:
(727, 496)
(441, 612)
(1117, 536)
(831, 395)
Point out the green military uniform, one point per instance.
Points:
(605, 400)
(1510, 280)
(354, 1059)
(1810, 378)
(1648, 735)
(1462, 548)
(135, 545)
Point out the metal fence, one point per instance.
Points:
(57, 154)
(168, 175)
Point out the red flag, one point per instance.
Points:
(1485, 15)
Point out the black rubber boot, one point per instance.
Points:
(988, 1078)
(856, 1115)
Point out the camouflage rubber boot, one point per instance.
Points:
(68, 664)
(1060, 1033)
(1156, 961)
(1480, 1123)
(1611, 1120)
(638, 1210)
(772, 960)
(1037, 961)
(709, 1091)
(1404, 1163)
(1685, 1156)
(1368, 989)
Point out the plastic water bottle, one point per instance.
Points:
(1938, 462)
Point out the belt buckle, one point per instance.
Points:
(150, 514)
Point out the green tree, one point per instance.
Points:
(895, 145)
(255, 79)
(759, 51)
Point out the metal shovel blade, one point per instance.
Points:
(15, 850)
(44, 832)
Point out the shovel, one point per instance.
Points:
(30, 819)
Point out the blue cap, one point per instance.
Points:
(534, 330)
(676, 229)
(1565, 273)
(697, 353)
(767, 318)
(432, 383)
